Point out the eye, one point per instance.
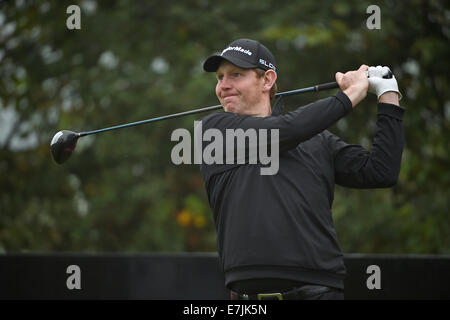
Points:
(219, 77)
(236, 75)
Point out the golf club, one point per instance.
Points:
(64, 142)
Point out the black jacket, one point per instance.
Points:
(281, 226)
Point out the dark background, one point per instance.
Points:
(197, 276)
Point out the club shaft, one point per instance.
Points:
(319, 87)
(137, 123)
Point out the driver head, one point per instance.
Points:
(62, 145)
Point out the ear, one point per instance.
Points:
(269, 79)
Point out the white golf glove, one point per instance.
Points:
(380, 85)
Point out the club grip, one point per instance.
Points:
(388, 75)
(326, 86)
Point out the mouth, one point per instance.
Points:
(229, 97)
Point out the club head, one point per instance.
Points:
(63, 144)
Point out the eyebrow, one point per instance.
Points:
(233, 69)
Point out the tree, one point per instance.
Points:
(132, 61)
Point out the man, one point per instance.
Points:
(275, 233)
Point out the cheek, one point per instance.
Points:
(217, 90)
(253, 94)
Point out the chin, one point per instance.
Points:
(233, 108)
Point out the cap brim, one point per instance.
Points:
(213, 62)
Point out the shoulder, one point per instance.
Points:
(211, 116)
(220, 119)
(220, 115)
(215, 116)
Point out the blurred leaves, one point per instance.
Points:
(136, 60)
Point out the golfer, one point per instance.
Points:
(275, 233)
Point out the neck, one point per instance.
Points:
(263, 109)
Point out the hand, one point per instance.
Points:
(380, 85)
(354, 84)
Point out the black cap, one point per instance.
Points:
(245, 54)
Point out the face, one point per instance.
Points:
(239, 90)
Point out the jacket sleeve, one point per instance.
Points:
(358, 168)
(294, 127)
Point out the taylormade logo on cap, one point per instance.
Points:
(243, 53)
(240, 49)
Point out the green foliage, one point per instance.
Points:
(136, 60)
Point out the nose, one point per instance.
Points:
(224, 83)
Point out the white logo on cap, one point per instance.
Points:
(239, 49)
